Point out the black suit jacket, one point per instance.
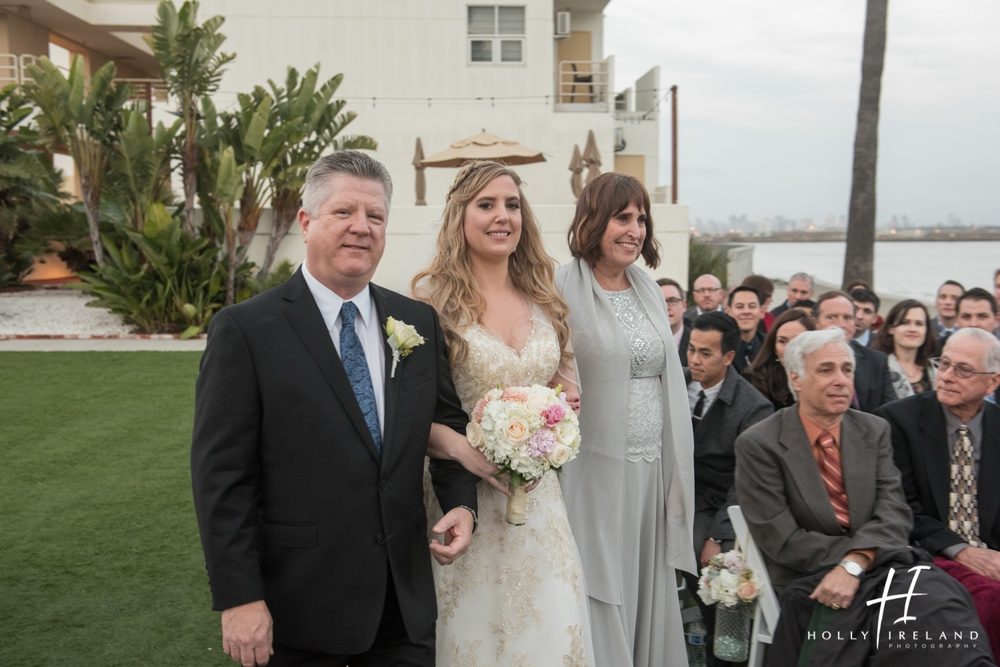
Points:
(872, 382)
(294, 504)
(682, 348)
(921, 450)
(737, 407)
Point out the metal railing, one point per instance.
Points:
(583, 82)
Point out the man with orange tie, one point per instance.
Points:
(824, 503)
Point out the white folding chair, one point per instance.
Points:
(765, 617)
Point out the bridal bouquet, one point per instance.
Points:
(524, 431)
(728, 580)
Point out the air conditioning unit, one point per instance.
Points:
(562, 24)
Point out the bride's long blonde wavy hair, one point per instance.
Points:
(448, 284)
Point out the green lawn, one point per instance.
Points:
(100, 562)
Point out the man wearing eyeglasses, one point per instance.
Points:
(673, 295)
(708, 295)
(947, 447)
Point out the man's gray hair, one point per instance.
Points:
(347, 162)
(808, 342)
(802, 276)
(991, 353)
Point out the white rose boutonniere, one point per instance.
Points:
(402, 339)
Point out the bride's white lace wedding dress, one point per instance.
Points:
(516, 597)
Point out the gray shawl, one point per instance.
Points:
(593, 484)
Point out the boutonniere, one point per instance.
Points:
(402, 339)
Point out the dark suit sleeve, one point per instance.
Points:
(722, 527)
(453, 484)
(888, 393)
(929, 532)
(224, 465)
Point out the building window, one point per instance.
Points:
(496, 34)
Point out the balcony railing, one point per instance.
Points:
(583, 85)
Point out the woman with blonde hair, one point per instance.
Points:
(630, 492)
(518, 593)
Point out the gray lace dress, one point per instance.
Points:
(649, 610)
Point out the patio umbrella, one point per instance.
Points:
(484, 146)
(418, 165)
(576, 166)
(592, 157)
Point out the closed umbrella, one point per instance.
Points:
(576, 166)
(592, 157)
(418, 165)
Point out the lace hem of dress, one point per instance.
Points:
(647, 454)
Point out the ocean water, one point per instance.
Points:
(905, 268)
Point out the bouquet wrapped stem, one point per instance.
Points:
(517, 502)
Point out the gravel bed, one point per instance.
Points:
(55, 312)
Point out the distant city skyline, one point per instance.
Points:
(768, 94)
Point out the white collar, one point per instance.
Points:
(330, 303)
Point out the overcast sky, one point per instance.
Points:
(768, 93)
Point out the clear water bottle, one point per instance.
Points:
(695, 633)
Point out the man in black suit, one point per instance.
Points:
(872, 383)
(800, 288)
(673, 295)
(928, 442)
(866, 305)
(723, 405)
(308, 449)
(743, 304)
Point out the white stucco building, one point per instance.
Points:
(534, 71)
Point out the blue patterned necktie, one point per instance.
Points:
(356, 366)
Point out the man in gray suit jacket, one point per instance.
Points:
(824, 502)
(728, 405)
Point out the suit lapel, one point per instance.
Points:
(988, 493)
(805, 473)
(305, 318)
(933, 446)
(858, 461)
(384, 308)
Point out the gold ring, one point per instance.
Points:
(835, 606)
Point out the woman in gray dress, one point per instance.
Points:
(629, 494)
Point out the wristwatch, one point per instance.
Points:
(852, 567)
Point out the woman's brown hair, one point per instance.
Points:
(605, 197)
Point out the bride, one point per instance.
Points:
(517, 596)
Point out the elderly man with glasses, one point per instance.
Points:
(947, 447)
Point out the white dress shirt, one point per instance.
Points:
(366, 325)
(711, 393)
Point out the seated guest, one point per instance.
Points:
(945, 322)
(909, 342)
(866, 305)
(708, 295)
(823, 500)
(947, 448)
(872, 385)
(765, 288)
(800, 288)
(743, 304)
(977, 308)
(723, 405)
(766, 373)
(673, 296)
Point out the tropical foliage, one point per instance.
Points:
(159, 264)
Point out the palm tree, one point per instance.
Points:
(28, 183)
(323, 120)
(860, 253)
(192, 67)
(85, 121)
